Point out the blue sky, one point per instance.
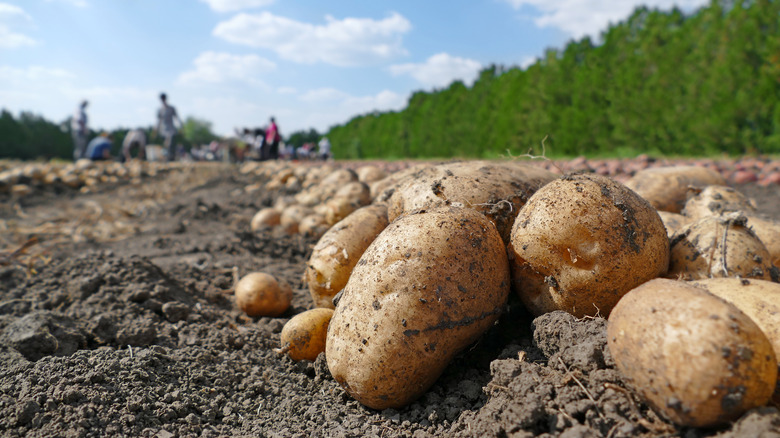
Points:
(235, 63)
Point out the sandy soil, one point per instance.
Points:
(119, 321)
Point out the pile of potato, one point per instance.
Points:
(419, 264)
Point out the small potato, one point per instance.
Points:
(719, 246)
(260, 294)
(356, 192)
(581, 242)
(666, 188)
(338, 251)
(303, 337)
(693, 357)
(370, 173)
(429, 286)
(716, 201)
(313, 225)
(337, 209)
(265, 218)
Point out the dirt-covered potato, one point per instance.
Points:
(429, 286)
(715, 201)
(497, 190)
(768, 231)
(265, 218)
(303, 337)
(719, 246)
(673, 221)
(313, 225)
(339, 249)
(382, 189)
(581, 242)
(667, 187)
(693, 357)
(261, 294)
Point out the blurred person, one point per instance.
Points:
(272, 138)
(137, 138)
(324, 148)
(79, 130)
(99, 149)
(166, 127)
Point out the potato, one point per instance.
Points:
(673, 221)
(292, 216)
(428, 287)
(356, 192)
(370, 173)
(719, 246)
(497, 190)
(583, 241)
(260, 294)
(313, 224)
(715, 201)
(303, 337)
(382, 190)
(768, 231)
(265, 218)
(666, 188)
(693, 357)
(339, 249)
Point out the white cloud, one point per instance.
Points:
(323, 95)
(347, 42)
(217, 67)
(77, 3)
(440, 70)
(13, 15)
(589, 17)
(286, 90)
(236, 5)
(16, 76)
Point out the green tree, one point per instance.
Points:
(197, 131)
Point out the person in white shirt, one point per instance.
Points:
(324, 148)
(166, 126)
(135, 137)
(79, 130)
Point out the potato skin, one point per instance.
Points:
(303, 337)
(338, 251)
(583, 241)
(666, 188)
(429, 285)
(693, 357)
(716, 200)
(719, 246)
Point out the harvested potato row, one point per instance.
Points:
(497, 190)
(339, 250)
(415, 299)
(720, 246)
(666, 188)
(581, 242)
(693, 357)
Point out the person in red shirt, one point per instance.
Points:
(272, 138)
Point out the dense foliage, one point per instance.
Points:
(660, 82)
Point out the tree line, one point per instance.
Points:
(661, 82)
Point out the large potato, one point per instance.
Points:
(428, 286)
(339, 250)
(497, 190)
(667, 187)
(693, 357)
(719, 246)
(583, 241)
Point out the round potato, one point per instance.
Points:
(265, 218)
(715, 201)
(583, 241)
(666, 188)
(261, 294)
(693, 357)
(339, 250)
(719, 246)
(497, 190)
(303, 337)
(428, 287)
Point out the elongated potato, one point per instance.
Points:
(303, 337)
(497, 190)
(719, 246)
(339, 249)
(666, 188)
(583, 241)
(693, 357)
(428, 287)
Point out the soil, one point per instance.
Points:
(119, 321)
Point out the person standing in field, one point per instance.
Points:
(78, 128)
(272, 138)
(166, 126)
